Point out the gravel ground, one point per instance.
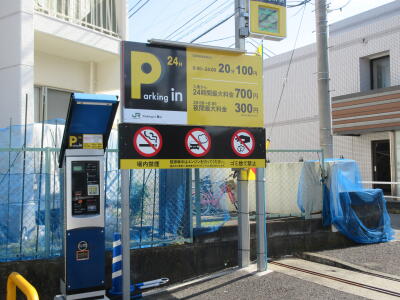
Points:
(379, 257)
(240, 285)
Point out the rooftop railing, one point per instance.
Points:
(98, 15)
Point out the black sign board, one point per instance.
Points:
(171, 146)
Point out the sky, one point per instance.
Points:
(185, 20)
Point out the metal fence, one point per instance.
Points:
(31, 200)
(31, 210)
(99, 15)
(284, 175)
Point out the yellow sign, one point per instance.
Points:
(190, 163)
(92, 141)
(268, 19)
(188, 86)
(224, 89)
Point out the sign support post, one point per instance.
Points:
(261, 221)
(126, 257)
(243, 220)
(243, 200)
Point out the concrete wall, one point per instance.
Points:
(360, 38)
(108, 76)
(61, 73)
(16, 60)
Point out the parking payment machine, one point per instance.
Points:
(87, 128)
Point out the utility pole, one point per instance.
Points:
(125, 222)
(243, 187)
(324, 98)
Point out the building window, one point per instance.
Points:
(50, 104)
(380, 72)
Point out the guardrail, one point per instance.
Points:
(17, 280)
(396, 198)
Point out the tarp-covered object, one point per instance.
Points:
(359, 214)
(309, 194)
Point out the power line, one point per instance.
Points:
(270, 51)
(221, 39)
(175, 14)
(196, 26)
(264, 49)
(299, 4)
(212, 28)
(137, 3)
(130, 16)
(157, 17)
(255, 46)
(199, 23)
(340, 8)
(171, 34)
(287, 73)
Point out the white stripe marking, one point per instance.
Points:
(117, 243)
(116, 274)
(116, 259)
(229, 81)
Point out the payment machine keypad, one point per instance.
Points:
(85, 187)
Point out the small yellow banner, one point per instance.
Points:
(92, 141)
(128, 164)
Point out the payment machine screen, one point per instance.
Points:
(85, 187)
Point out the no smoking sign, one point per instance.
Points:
(147, 141)
(188, 147)
(198, 142)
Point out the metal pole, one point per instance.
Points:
(261, 221)
(324, 99)
(47, 217)
(190, 198)
(240, 24)
(243, 221)
(23, 179)
(243, 201)
(125, 221)
(126, 270)
(197, 197)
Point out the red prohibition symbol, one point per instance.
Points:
(198, 142)
(243, 143)
(147, 141)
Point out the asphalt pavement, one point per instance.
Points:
(280, 284)
(244, 285)
(383, 257)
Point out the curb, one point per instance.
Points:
(333, 262)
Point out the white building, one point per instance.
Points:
(50, 48)
(364, 56)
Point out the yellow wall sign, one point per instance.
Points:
(85, 141)
(224, 89)
(187, 86)
(268, 19)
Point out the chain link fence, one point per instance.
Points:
(32, 192)
(286, 173)
(31, 204)
(214, 196)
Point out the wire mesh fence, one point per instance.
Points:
(214, 198)
(166, 206)
(31, 204)
(286, 174)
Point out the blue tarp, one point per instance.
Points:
(359, 214)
